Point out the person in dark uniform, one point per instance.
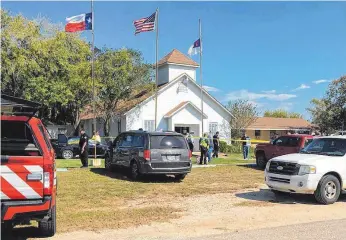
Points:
(84, 148)
(216, 142)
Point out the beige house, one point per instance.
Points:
(266, 127)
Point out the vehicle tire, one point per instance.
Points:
(180, 177)
(134, 171)
(261, 160)
(67, 154)
(328, 190)
(108, 165)
(48, 228)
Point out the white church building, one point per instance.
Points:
(178, 105)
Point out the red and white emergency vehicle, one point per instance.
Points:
(27, 171)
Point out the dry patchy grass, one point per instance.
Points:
(92, 199)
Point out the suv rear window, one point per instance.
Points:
(167, 142)
(17, 139)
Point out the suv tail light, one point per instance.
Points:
(48, 178)
(146, 155)
(190, 154)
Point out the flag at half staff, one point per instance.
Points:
(195, 48)
(145, 24)
(79, 23)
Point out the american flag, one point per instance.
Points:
(145, 24)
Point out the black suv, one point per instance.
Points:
(143, 152)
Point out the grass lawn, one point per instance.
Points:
(233, 158)
(93, 199)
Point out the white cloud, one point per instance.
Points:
(286, 106)
(321, 81)
(270, 91)
(251, 96)
(211, 89)
(301, 87)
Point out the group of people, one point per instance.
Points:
(209, 146)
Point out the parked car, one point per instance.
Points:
(339, 133)
(68, 148)
(165, 153)
(318, 169)
(280, 146)
(27, 171)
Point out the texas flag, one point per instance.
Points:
(79, 23)
(195, 48)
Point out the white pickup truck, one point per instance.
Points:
(319, 169)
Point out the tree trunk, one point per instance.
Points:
(106, 125)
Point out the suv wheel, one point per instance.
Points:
(48, 228)
(180, 177)
(134, 171)
(328, 190)
(108, 165)
(261, 160)
(67, 154)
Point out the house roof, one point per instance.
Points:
(181, 106)
(177, 57)
(270, 123)
(136, 97)
(140, 97)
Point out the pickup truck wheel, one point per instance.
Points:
(108, 165)
(261, 160)
(67, 154)
(48, 228)
(328, 190)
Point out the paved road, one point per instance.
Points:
(326, 230)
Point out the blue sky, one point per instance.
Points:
(276, 54)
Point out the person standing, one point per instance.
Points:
(216, 142)
(211, 146)
(96, 137)
(190, 141)
(204, 145)
(84, 148)
(246, 146)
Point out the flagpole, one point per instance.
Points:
(92, 69)
(200, 72)
(156, 63)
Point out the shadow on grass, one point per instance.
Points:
(266, 195)
(122, 174)
(251, 165)
(21, 233)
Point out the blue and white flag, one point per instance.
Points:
(195, 48)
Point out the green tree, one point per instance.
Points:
(281, 113)
(120, 72)
(41, 62)
(244, 114)
(330, 111)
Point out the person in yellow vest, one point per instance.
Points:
(96, 137)
(204, 146)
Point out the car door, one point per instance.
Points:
(125, 149)
(116, 149)
(279, 146)
(60, 144)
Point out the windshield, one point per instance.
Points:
(326, 146)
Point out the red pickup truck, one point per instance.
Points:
(282, 145)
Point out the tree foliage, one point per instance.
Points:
(42, 63)
(330, 111)
(119, 73)
(281, 113)
(244, 114)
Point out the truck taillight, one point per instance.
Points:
(48, 178)
(190, 154)
(146, 155)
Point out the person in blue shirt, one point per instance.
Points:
(211, 147)
(246, 146)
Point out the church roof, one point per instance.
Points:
(181, 106)
(177, 57)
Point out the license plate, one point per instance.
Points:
(170, 158)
